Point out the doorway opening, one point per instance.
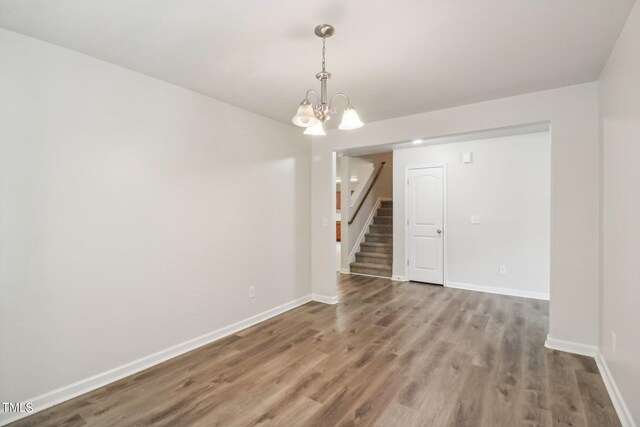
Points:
(364, 214)
(469, 211)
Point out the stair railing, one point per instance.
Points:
(375, 178)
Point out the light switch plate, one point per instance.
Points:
(467, 157)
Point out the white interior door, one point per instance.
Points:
(426, 225)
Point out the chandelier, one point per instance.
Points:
(313, 116)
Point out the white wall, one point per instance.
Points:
(620, 110)
(508, 186)
(134, 215)
(360, 168)
(384, 185)
(575, 152)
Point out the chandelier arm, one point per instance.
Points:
(315, 93)
(338, 94)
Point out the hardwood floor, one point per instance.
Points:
(389, 354)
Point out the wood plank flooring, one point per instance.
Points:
(389, 354)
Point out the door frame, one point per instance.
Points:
(405, 218)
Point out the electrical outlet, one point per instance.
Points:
(252, 291)
(614, 340)
(475, 219)
(503, 269)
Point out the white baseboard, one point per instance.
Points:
(324, 299)
(70, 391)
(614, 393)
(399, 278)
(499, 291)
(345, 271)
(571, 347)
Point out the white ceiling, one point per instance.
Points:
(392, 58)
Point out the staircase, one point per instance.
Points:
(376, 252)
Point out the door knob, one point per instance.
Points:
(439, 231)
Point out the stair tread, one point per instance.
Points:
(370, 266)
(379, 234)
(387, 262)
(377, 261)
(375, 255)
(382, 245)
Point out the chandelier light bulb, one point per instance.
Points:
(305, 117)
(350, 119)
(317, 130)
